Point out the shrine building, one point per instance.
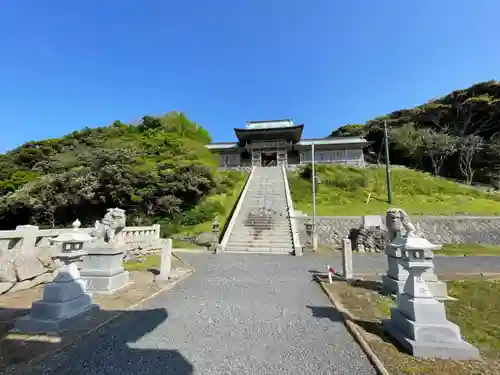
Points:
(280, 142)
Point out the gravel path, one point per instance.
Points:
(238, 314)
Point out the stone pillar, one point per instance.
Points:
(347, 268)
(157, 230)
(397, 275)
(103, 270)
(29, 234)
(419, 321)
(166, 261)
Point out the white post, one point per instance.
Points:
(314, 239)
(166, 261)
(329, 274)
(157, 230)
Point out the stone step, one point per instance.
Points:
(260, 244)
(277, 220)
(263, 237)
(266, 245)
(248, 249)
(271, 245)
(264, 241)
(276, 224)
(251, 235)
(252, 230)
(263, 227)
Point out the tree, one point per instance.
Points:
(409, 142)
(468, 149)
(350, 130)
(158, 170)
(438, 147)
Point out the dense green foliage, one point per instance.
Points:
(456, 136)
(158, 171)
(362, 191)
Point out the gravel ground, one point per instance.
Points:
(238, 314)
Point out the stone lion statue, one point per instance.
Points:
(397, 219)
(111, 224)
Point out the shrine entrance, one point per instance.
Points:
(269, 158)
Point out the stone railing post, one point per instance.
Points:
(29, 234)
(157, 228)
(166, 261)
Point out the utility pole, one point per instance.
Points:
(314, 240)
(387, 165)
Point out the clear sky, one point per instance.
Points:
(69, 64)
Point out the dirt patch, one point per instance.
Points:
(17, 352)
(367, 308)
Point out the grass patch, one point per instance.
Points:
(469, 249)
(475, 311)
(179, 244)
(149, 262)
(143, 263)
(345, 190)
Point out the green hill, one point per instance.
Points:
(362, 191)
(158, 170)
(457, 135)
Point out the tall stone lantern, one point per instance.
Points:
(64, 300)
(419, 321)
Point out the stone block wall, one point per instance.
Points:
(437, 229)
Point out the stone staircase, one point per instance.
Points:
(263, 224)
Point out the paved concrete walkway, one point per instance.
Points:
(238, 314)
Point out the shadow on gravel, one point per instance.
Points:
(111, 349)
(371, 327)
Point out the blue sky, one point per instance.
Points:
(69, 64)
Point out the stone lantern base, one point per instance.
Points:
(103, 270)
(64, 301)
(429, 340)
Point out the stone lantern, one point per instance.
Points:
(72, 242)
(419, 321)
(65, 299)
(395, 279)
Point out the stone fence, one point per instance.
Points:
(437, 229)
(27, 239)
(26, 252)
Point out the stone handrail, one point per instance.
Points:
(236, 212)
(27, 238)
(291, 214)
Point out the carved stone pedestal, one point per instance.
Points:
(64, 301)
(103, 270)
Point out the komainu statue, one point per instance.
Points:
(397, 219)
(112, 223)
